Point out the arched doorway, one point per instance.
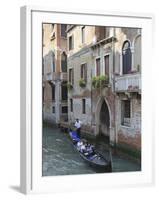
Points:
(103, 118)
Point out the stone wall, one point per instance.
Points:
(129, 135)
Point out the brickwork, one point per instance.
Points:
(133, 142)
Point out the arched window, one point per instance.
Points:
(126, 57)
(64, 62)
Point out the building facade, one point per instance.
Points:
(94, 73)
(54, 73)
(104, 79)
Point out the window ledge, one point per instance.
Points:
(124, 126)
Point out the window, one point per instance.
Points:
(71, 105)
(106, 63)
(125, 112)
(63, 30)
(126, 57)
(84, 72)
(98, 67)
(64, 109)
(70, 42)
(71, 76)
(64, 62)
(83, 34)
(53, 109)
(100, 32)
(64, 91)
(83, 106)
(53, 92)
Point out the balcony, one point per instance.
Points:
(63, 76)
(53, 76)
(128, 83)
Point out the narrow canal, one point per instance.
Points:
(60, 158)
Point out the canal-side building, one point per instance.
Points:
(54, 73)
(104, 72)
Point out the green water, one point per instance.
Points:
(60, 157)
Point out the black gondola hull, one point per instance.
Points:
(100, 168)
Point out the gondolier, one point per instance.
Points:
(78, 127)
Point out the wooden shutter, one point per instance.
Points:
(106, 60)
(98, 67)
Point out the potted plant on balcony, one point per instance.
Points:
(104, 79)
(100, 81)
(82, 83)
(69, 86)
(94, 81)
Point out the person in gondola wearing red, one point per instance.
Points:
(78, 127)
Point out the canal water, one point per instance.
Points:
(60, 157)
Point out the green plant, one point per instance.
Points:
(97, 82)
(82, 83)
(94, 81)
(100, 81)
(69, 86)
(104, 80)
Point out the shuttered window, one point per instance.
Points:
(125, 112)
(84, 106)
(71, 76)
(71, 43)
(84, 72)
(106, 63)
(53, 92)
(98, 66)
(71, 105)
(64, 92)
(63, 30)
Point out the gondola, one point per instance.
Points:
(95, 159)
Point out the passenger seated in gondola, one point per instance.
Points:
(89, 149)
(79, 145)
(83, 148)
